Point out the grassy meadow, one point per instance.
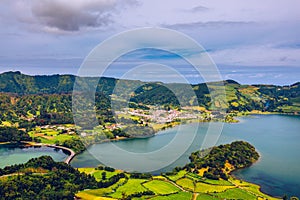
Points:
(181, 185)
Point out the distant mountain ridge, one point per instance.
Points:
(239, 97)
(16, 82)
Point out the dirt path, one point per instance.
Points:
(195, 195)
(70, 157)
(182, 189)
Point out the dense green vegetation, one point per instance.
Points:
(238, 154)
(43, 179)
(30, 100)
(27, 111)
(12, 134)
(75, 144)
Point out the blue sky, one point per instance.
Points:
(250, 41)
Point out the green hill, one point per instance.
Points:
(29, 100)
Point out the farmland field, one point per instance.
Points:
(131, 187)
(207, 188)
(98, 173)
(186, 183)
(161, 187)
(180, 195)
(235, 193)
(177, 176)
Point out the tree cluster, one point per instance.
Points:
(74, 144)
(61, 182)
(12, 134)
(140, 175)
(238, 154)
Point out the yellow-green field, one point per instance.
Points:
(51, 136)
(161, 187)
(131, 187)
(6, 123)
(181, 185)
(100, 193)
(235, 193)
(98, 173)
(208, 188)
(186, 183)
(177, 176)
(180, 195)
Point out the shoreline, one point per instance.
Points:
(156, 132)
(199, 121)
(271, 113)
(241, 179)
(71, 154)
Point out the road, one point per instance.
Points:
(70, 157)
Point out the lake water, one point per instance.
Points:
(11, 154)
(276, 137)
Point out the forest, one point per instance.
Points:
(12, 134)
(42, 178)
(238, 154)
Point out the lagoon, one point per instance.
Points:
(11, 154)
(276, 137)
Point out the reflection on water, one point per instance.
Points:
(12, 154)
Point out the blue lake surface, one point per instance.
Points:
(276, 137)
(11, 154)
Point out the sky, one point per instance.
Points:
(250, 41)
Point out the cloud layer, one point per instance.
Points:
(67, 16)
(45, 33)
(72, 15)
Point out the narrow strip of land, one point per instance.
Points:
(70, 157)
(67, 160)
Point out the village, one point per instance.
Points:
(156, 118)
